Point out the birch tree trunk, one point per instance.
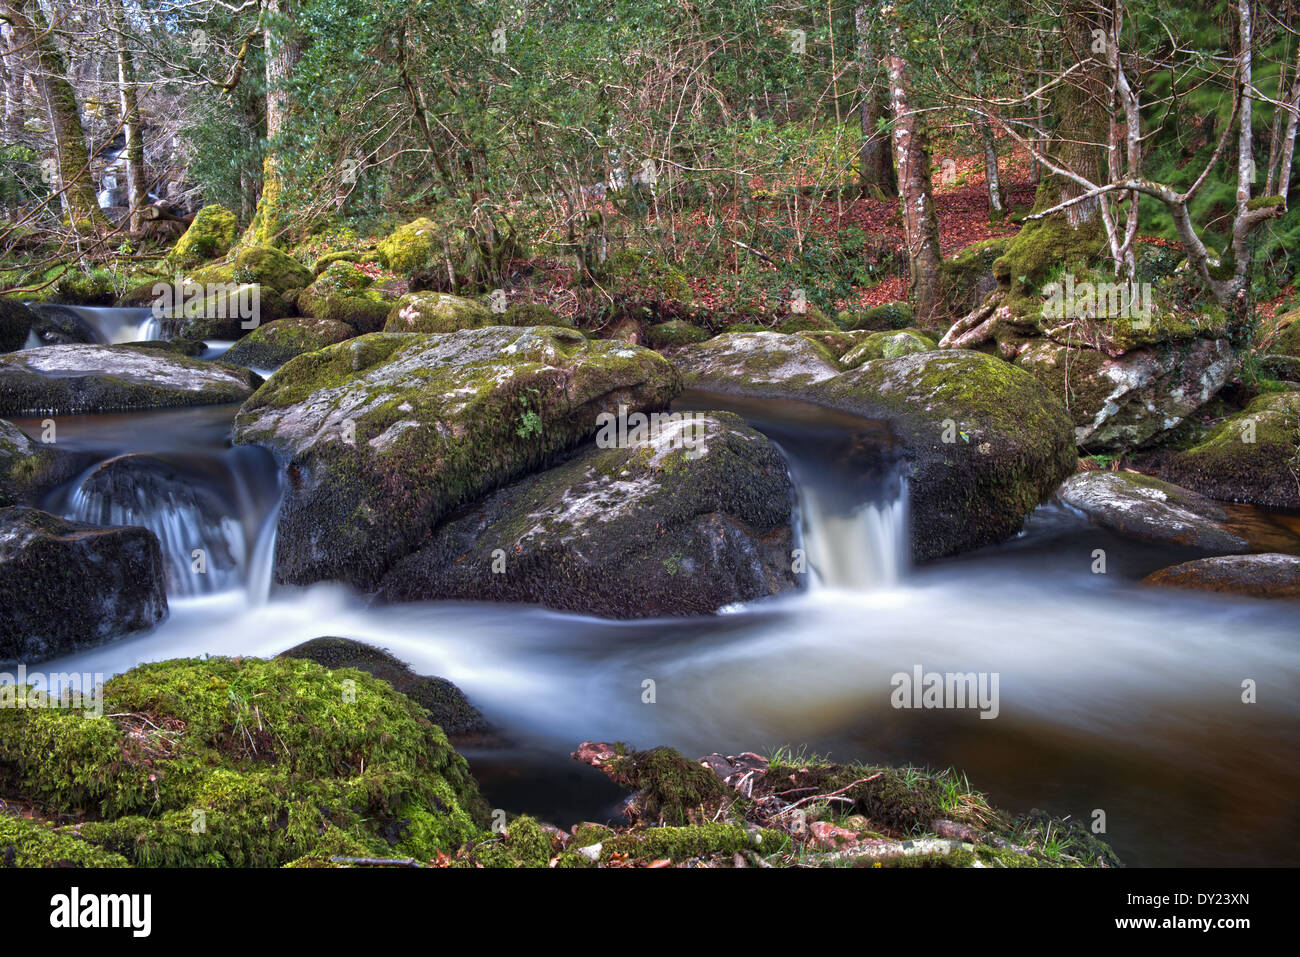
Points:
(136, 186)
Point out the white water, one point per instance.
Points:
(115, 326)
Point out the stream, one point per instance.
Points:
(1112, 696)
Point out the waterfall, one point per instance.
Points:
(114, 326)
(855, 547)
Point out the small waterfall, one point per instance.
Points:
(98, 324)
(854, 547)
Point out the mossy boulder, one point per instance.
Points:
(29, 468)
(384, 435)
(78, 379)
(811, 319)
(673, 333)
(343, 293)
(531, 314)
(16, 322)
(409, 248)
(1132, 399)
(1288, 341)
(689, 515)
(355, 256)
(887, 345)
(984, 442)
(69, 585)
(751, 363)
(1269, 575)
(272, 345)
(271, 268)
(446, 704)
(968, 275)
(25, 843)
(882, 318)
(245, 762)
(1253, 456)
(1144, 507)
(438, 312)
(211, 234)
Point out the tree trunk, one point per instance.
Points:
(875, 165)
(76, 186)
(283, 51)
(136, 184)
(1081, 108)
(920, 227)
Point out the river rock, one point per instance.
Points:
(437, 312)
(887, 345)
(16, 322)
(447, 705)
(383, 435)
(29, 468)
(67, 585)
(272, 345)
(76, 379)
(344, 293)
(1261, 576)
(1249, 457)
(58, 325)
(1147, 508)
(749, 363)
(983, 442)
(691, 517)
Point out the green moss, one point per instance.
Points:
(675, 332)
(1039, 248)
(25, 843)
(887, 345)
(812, 320)
(411, 247)
(685, 843)
(245, 762)
(890, 315)
(437, 312)
(530, 314)
(211, 234)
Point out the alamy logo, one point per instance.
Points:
(74, 910)
(669, 430)
(66, 691)
(946, 690)
(1098, 300)
(214, 300)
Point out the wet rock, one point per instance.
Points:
(16, 322)
(1147, 508)
(1248, 457)
(58, 325)
(29, 468)
(75, 379)
(272, 345)
(447, 705)
(692, 517)
(66, 585)
(749, 363)
(384, 435)
(983, 442)
(1269, 575)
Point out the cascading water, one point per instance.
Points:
(94, 324)
(856, 547)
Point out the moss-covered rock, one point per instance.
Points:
(984, 442)
(244, 762)
(411, 247)
(67, 584)
(882, 318)
(211, 234)
(355, 256)
(25, 843)
(811, 319)
(28, 468)
(438, 312)
(673, 333)
(1288, 341)
(272, 345)
(71, 380)
(447, 705)
(1253, 456)
(887, 345)
(691, 515)
(1258, 576)
(271, 268)
(531, 314)
(16, 322)
(384, 435)
(750, 363)
(343, 293)
(968, 275)
(1144, 507)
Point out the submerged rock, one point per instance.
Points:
(272, 345)
(1145, 507)
(747, 363)
(386, 434)
(1261, 576)
(655, 528)
(67, 585)
(75, 379)
(1253, 456)
(984, 443)
(447, 705)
